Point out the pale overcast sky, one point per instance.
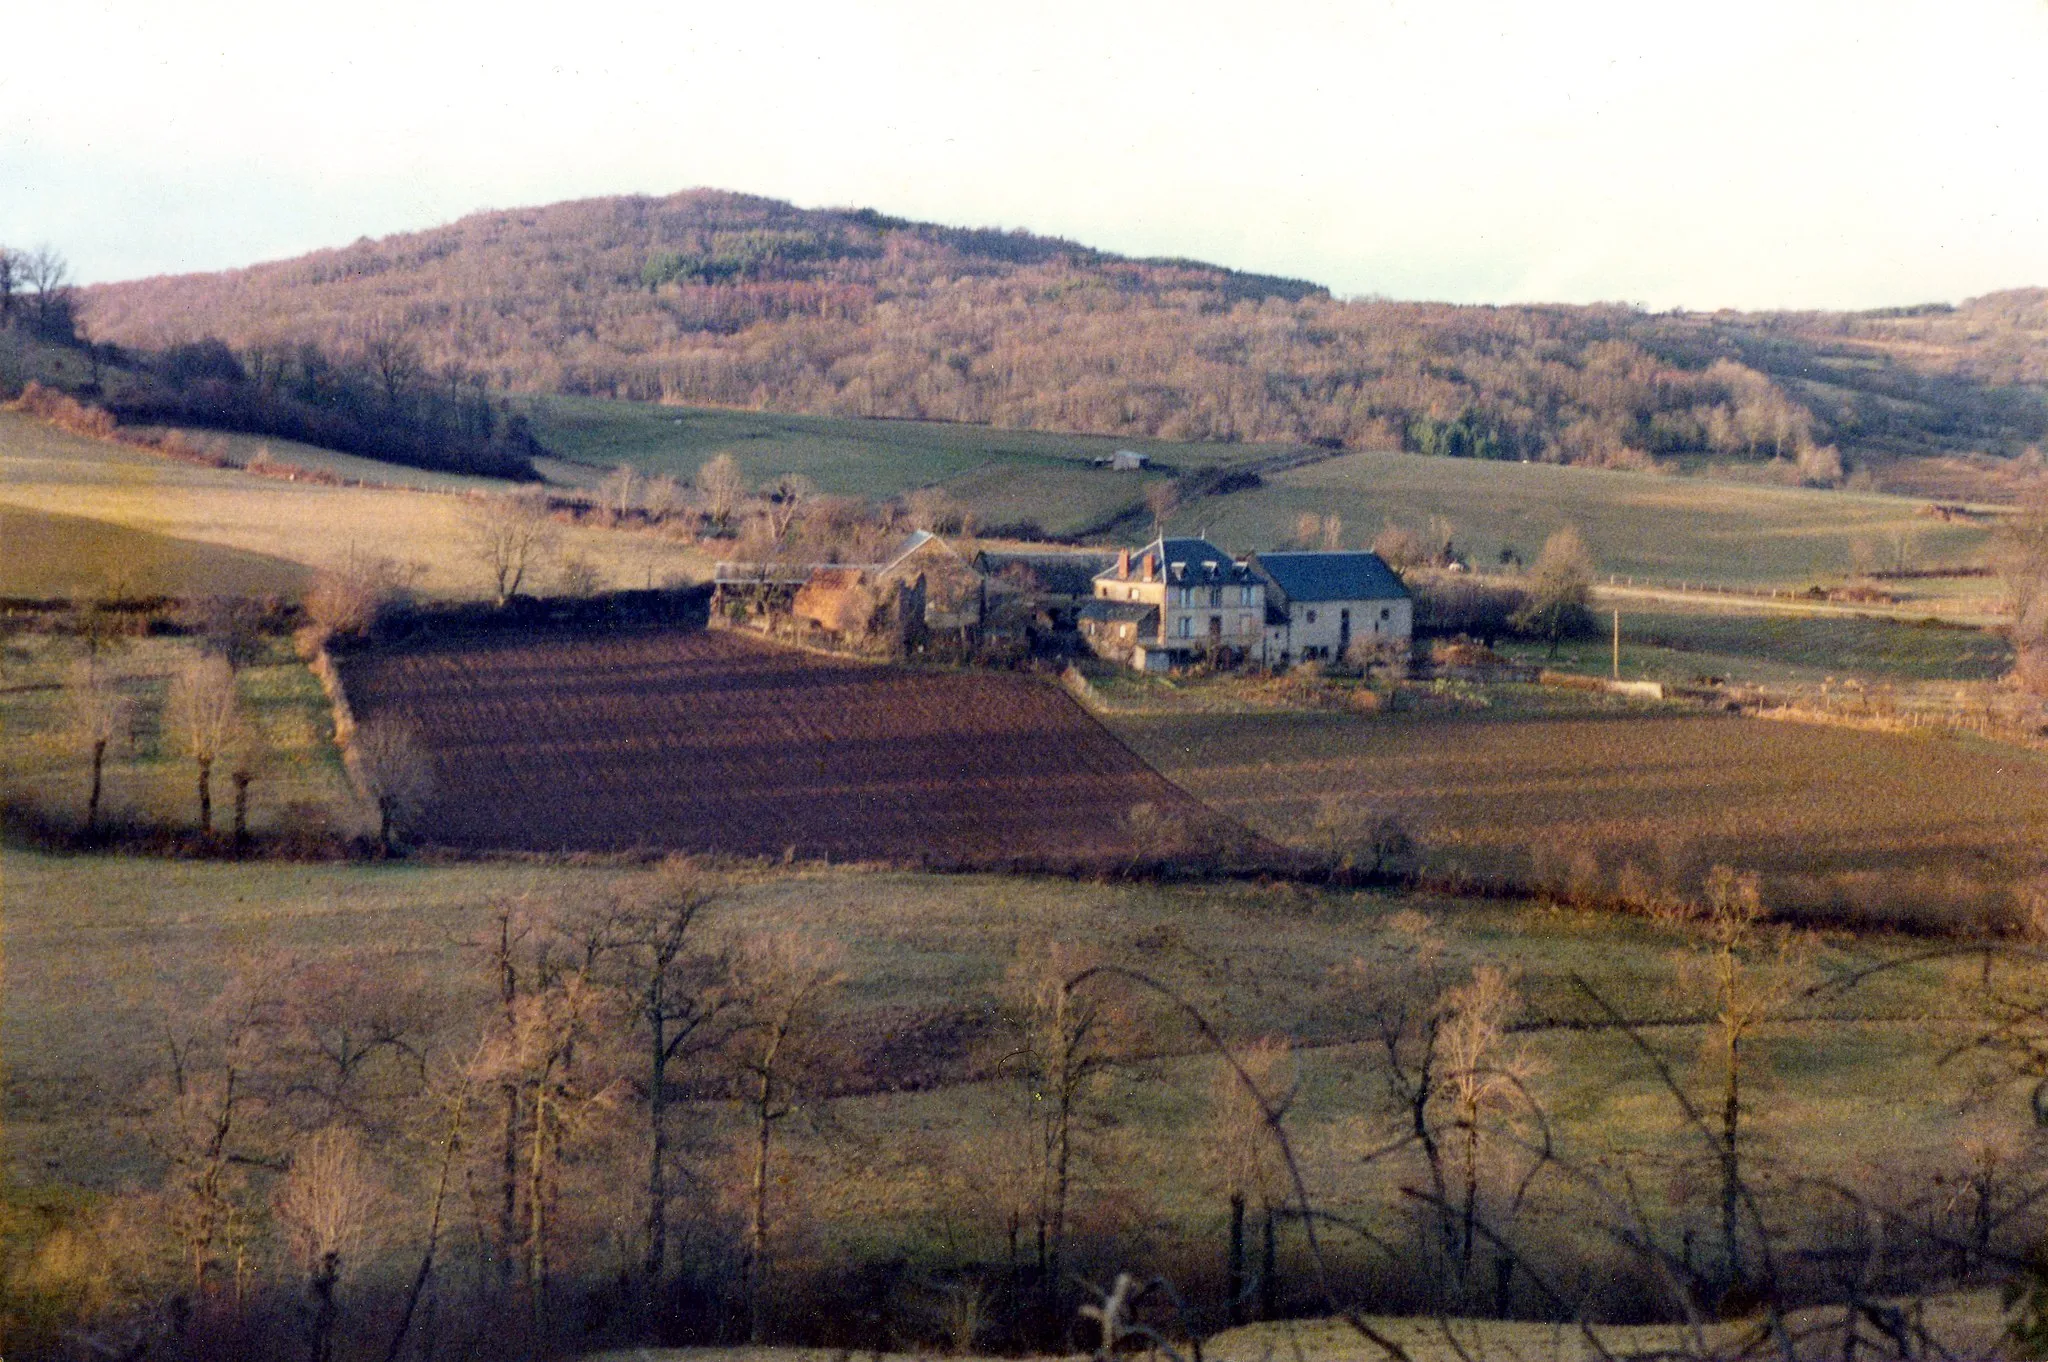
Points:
(1754, 153)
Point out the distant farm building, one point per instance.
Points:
(1179, 601)
(1125, 461)
(923, 587)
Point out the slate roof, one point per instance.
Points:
(1330, 576)
(1185, 562)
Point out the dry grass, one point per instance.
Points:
(43, 469)
(98, 948)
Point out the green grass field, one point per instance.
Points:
(43, 555)
(1658, 527)
(101, 951)
(1653, 526)
(1770, 648)
(148, 782)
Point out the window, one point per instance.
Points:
(1187, 627)
(1386, 614)
(1311, 617)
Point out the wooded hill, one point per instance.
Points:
(715, 298)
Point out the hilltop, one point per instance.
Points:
(720, 299)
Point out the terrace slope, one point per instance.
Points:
(714, 742)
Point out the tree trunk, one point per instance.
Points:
(657, 1151)
(325, 1310)
(757, 1231)
(449, 1145)
(537, 1212)
(242, 780)
(92, 802)
(1731, 1165)
(206, 796)
(508, 1172)
(1269, 1273)
(1233, 1277)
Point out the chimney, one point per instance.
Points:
(1123, 563)
(1149, 566)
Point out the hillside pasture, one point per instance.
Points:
(45, 555)
(844, 455)
(1659, 527)
(1849, 825)
(50, 471)
(709, 741)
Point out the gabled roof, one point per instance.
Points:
(1185, 562)
(1330, 576)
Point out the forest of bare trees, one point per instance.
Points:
(719, 299)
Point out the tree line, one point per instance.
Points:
(370, 393)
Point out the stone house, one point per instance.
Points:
(1319, 604)
(1174, 602)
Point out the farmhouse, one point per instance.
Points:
(1319, 604)
(1173, 602)
(1179, 600)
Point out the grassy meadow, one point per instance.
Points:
(52, 472)
(149, 783)
(912, 1161)
(1776, 648)
(1654, 526)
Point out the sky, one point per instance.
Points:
(1795, 153)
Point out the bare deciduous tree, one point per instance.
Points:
(677, 993)
(779, 984)
(509, 535)
(1748, 972)
(787, 496)
(330, 1204)
(99, 714)
(394, 771)
(204, 710)
(1559, 587)
(619, 490)
(1062, 1046)
(1162, 499)
(348, 599)
(249, 755)
(722, 485)
(1245, 1157)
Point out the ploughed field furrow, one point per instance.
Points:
(696, 741)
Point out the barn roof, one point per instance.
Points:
(1330, 576)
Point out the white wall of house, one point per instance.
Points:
(1323, 629)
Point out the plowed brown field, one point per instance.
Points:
(696, 741)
